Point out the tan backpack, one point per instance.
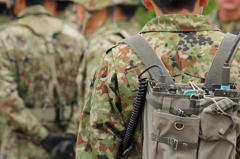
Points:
(185, 120)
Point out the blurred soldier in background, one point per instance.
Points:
(62, 9)
(124, 16)
(56, 7)
(226, 16)
(4, 13)
(39, 61)
(97, 21)
(4, 18)
(172, 34)
(70, 15)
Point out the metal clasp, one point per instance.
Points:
(179, 125)
(176, 144)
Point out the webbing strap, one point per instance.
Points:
(146, 53)
(174, 111)
(215, 72)
(148, 56)
(174, 143)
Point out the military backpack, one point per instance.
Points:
(185, 120)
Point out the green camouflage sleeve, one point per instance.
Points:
(98, 100)
(96, 50)
(108, 106)
(13, 112)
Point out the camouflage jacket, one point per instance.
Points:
(226, 26)
(69, 17)
(39, 59)
(129, 25)
(96, 49)
(185, 43)
(4, 19)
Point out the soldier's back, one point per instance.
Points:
(186, 44)
(42, 55)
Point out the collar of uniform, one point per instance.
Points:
(178, 22)
(36, 9)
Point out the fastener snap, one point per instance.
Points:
(184, 146)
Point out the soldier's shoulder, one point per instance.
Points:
(119, 49)
(72, 32)
(13, 29)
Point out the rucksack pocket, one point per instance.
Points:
(175, 136)
(218, 135)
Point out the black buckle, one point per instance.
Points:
(178, 112)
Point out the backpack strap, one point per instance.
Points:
(148, 56)
(215, 72)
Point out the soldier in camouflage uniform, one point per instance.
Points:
(62, 9)
(4, 17)
(70, 16)
(226, 16)
(39, 59)
(124, 16)
(101, 38)
(185, 42)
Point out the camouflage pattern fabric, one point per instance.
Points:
(4, 19)
(226, 26)
(39, 60)
(69, 17)
(96, 50)
(94, 5)
(130, 25)
(185, 43)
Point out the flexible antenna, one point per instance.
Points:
(226, 66)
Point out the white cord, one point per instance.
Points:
(199, 92)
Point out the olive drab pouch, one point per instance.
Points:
(185, 120)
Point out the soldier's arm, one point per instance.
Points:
(101, 121)
(15, 115)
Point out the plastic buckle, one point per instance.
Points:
(175, 143)
(180, 112)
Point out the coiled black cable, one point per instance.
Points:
(137, 108)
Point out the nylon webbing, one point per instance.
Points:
(148, 56)
(173, 111)
(175, 144)
(215, 72)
